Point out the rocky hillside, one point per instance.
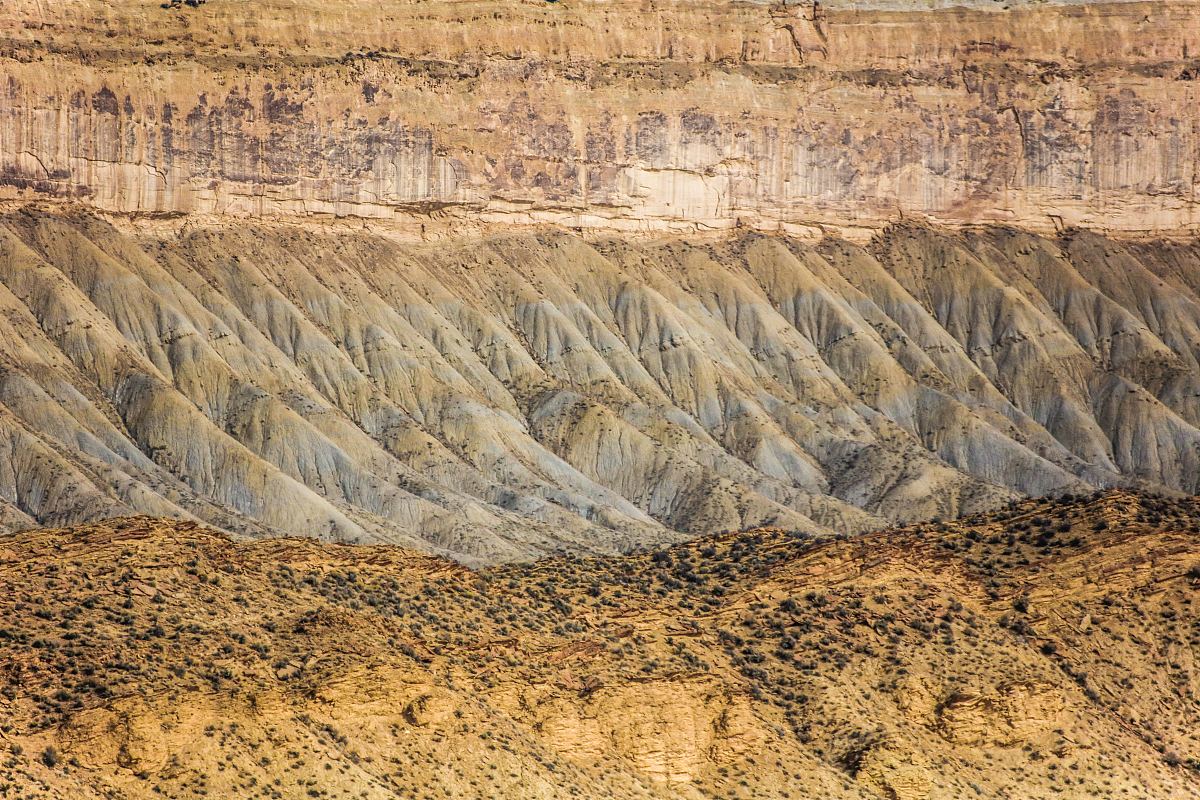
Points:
(622, 115)
(502, 397)
(448, 275)
(1049, 650)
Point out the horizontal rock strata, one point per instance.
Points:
(679, 116)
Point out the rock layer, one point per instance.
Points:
(439, 328)
(622, 115)
(505, 397)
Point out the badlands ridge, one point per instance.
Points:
(503, 397)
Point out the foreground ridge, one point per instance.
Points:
(1045, 650)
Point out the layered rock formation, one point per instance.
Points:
(290, 267)
(514, 395)
(664, 115)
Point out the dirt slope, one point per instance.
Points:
(1049, 650)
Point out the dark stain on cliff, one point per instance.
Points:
(105, 102)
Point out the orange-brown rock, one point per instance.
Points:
(940, 661)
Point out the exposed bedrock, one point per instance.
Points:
(619, 115)
(503, 397)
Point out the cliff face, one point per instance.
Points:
(626, 115)
(499, 392)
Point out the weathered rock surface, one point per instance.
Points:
(398, 347)
(515, 395)
(622, 115)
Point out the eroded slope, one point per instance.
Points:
(504, 397)
(1046, 651)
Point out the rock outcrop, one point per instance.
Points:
(676, 115)
(507, 279)
(504, 397)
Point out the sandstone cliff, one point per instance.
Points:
(616, 115)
